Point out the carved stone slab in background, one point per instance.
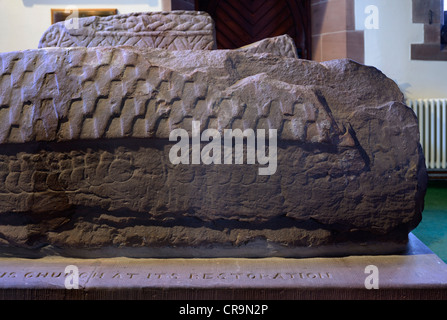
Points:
(281, 46)
(416, 274)
(85, 170)
(173, 30)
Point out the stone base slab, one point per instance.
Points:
(417, 274)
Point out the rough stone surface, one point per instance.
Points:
(173, 30)
(85, 169)
(281, 46)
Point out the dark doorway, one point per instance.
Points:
(241, 22)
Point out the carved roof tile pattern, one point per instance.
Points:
(85, 93)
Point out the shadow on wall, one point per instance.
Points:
(318, 12)
(404, 87)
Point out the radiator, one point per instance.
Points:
(432, 117)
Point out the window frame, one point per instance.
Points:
(431, 14)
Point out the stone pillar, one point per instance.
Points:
(333, 31)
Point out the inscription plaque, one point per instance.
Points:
(417, 274)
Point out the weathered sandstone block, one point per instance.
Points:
(85, 155)
(173, 30)
(280, 46)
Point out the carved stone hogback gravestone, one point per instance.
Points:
(90, 166)
(173, 30)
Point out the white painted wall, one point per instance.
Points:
(389, 49)
(22, 22)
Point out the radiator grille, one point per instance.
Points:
(432, 117)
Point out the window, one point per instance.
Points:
(431, 14)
